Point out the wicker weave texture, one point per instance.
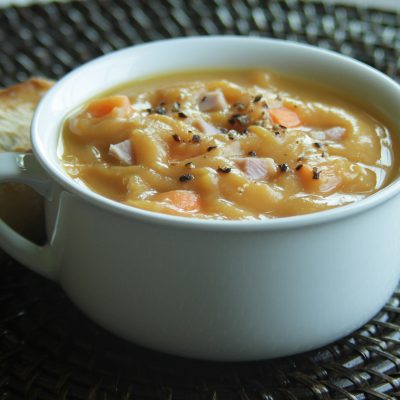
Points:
(52, 39)
(48, 349)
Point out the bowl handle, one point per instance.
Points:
(23, 168)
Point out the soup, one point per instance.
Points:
(238, 144)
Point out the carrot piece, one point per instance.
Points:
(101, 107)
(305, 174)
(185, 200)
(285, 117)
(315, 180)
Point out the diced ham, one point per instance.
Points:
(205, 127)
(257, 168)
(122, 152)
(213, 101)
(335, 133)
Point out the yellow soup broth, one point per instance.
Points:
(237, 144)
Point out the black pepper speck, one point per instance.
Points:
(242, 119)
(186, 177)
(160, 110)
(196, 138)
(283, 167)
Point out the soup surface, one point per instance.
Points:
(240, 144)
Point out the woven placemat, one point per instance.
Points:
(48, 349)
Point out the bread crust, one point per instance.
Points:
(17, 105)
(20, 206)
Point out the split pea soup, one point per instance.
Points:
(229, 144)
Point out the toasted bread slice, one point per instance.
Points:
(17, 104)
(20, 206)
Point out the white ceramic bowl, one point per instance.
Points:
(220, 290)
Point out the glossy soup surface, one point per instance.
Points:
(228, 145)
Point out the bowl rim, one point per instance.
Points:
(279, 223)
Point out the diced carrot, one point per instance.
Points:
(305, 174)
(185, 200)
(315, 180)
(101, 107)
(285, 117)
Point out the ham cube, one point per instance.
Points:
(122, 152)
(257, 168)
(205, 127)
(213, 101)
